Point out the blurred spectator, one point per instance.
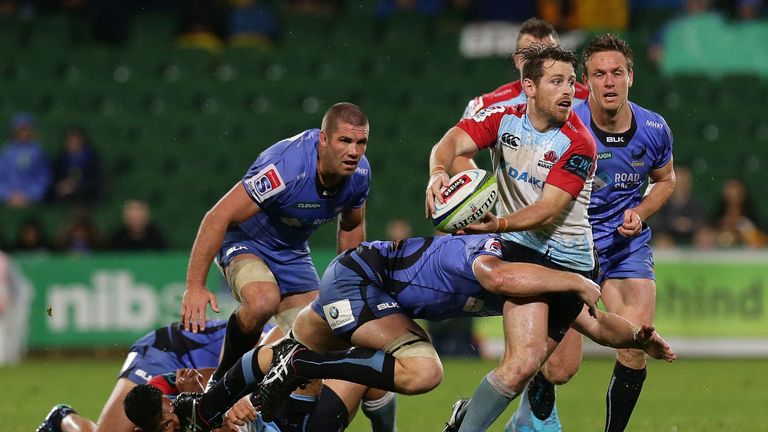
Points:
(748, 10)
(691, 8)
(252, 23)
(736, 219)
(15, 297)
(398, 229)
(24, 170)
(79, 235)
(203, 24)
(681, 217)
(77, 171)
(31, 237)
(137, 232)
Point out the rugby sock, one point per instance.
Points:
(330, 414)
(236, 343)
(541, 396)
(623, 392)
(294, 414)
(381, 413)
(370, 367)
(241, 379)
(490, 399)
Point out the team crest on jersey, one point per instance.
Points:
(549, 159)
(265, 183)
(580, 165)
(638, 153)
(484, 114)
(338, 314)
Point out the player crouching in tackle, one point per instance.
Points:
(369, 298)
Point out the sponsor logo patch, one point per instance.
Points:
(455, 187)
(604, 156)
(493, 246)
(473, 305)
(234, 249)
(579, 165)
(338, 314)
(308, 205)
(483, 114)
(265, 183)
(387, 305)
(509, 141)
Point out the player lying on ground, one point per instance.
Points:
(160, 351)
(368, 299)
(331, 408)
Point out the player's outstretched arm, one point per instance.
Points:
(235, 206)
(527, 280)
(614, 331)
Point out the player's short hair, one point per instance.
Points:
(537, 28)
(343, 112)
(607, 42)
(536, 55)
(143, 406)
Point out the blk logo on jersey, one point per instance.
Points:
(265, 183)
(580, 165)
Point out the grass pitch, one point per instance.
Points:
(689, 395)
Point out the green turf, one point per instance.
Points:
(691, 395)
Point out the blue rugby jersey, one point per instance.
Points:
(623, 164)
(283, 183)
(431, 278)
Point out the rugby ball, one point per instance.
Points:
(469, 195)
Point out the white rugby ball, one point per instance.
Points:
(469, 195)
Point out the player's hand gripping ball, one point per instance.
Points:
(469, 195)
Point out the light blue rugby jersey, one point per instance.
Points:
(283, 183)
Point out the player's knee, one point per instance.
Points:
(417, 375)
(559, 374)
(515, 373)
(258, 306)
(559, 370)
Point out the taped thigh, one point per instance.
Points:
(286, 318)
(411, 344)
(245, 271)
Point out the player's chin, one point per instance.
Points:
(348, 168)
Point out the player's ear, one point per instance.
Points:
(528, 87)
(323, 137)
